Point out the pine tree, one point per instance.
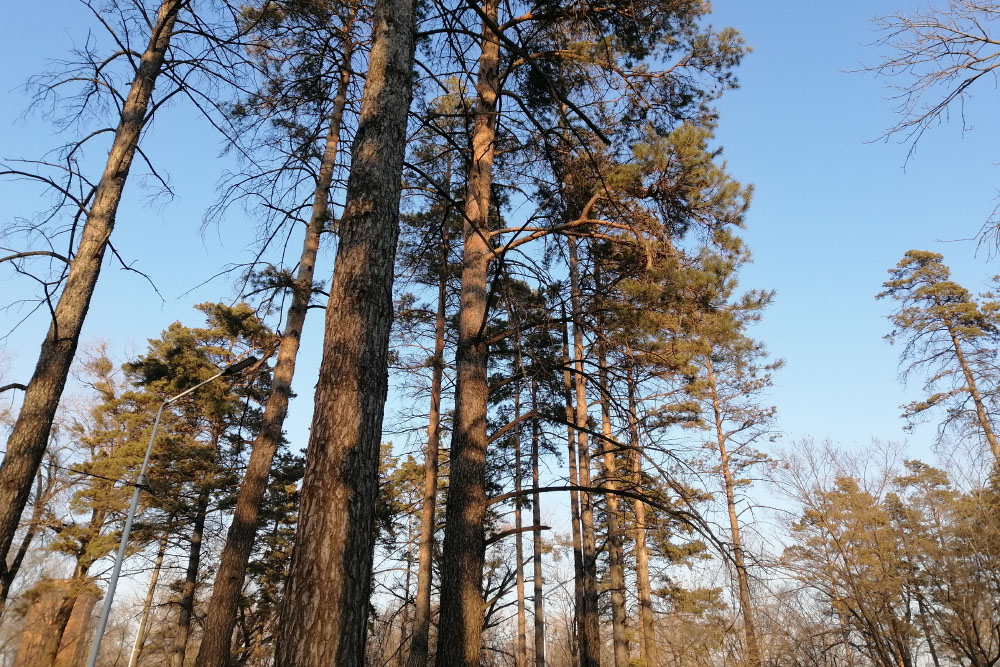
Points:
(951, 336)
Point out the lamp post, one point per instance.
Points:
(130, 517)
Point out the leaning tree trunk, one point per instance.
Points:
(590, 638)
(325, 609)
(186, 612)
(977, 400)
(648, 649)
(462, 604)
(422, 604)
(224, 605)
(28, 440)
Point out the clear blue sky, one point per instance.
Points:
(834, 208)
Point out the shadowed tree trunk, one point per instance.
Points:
(574, 495)
(589, 622)
(422, 604)
(223, 607)
(462, 604)
(521, 657)
(190, 584)
(536, 555)
(30, 435)
(325, 609)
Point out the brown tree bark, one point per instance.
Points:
(28, 440)
(57, 628)
(590, 637)
(147, 605)
(462, 604)
(422, 604)
(521, 655)
(754, 658)
(43, 491)
(325, 610)
(648, 650)
(186, 612)
(977, 399)
(616, 559)
(536, 554)
(574, 495)
(224, 604)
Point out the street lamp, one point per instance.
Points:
(139, 483)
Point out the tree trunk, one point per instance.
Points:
(648, 651)
(590, 638)
(536, 553)
(57, 628)
(977, 399)
(30, 435)
(190, 584)
(9, 573)
(325, 611)
(742, 578)
(521, 657)
(462, 604)
(574, 495)
(616, 559)
(422, 612)
(147, 605)
(223, 606)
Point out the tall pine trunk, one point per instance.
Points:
(521, 657)
(30, 435)
(739, 560)
(224, 605)
(462, 604)
(648, 650)
(190, 585)
(574, 495)
(536, 553)
(325, 611)
(616, 559)
(422, 604)
(590, 638)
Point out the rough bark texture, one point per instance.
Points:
(462, 604)
(536, 556)
(190, 584)
(589, 621)
(43, 491)
(325, 610)
(422, 604)
(648, 650)
(147, 605)
(753, 654)
(616, 559)
(28, 440)
(224, 605)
